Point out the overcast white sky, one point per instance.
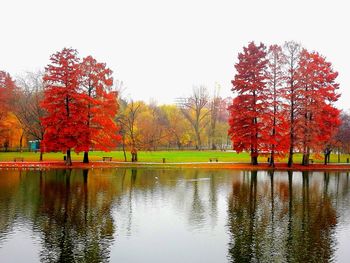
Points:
(160, 49)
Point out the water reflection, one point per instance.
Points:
(149, 215)
(285, 218)
(76, 225)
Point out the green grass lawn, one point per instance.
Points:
(157, 156)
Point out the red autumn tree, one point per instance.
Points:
(7, 88)
(277, 121)
(249, 107)
(64, 124)
(317, 91)
(100, 107)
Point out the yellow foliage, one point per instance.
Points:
(11, 132)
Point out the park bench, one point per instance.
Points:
(18, 159)
(107, 159)
(213, 159)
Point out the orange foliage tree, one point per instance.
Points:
(65, 120)
(100, 107)
(7, 87)
(80, 106)
(283, 102)
(277, 121)
(317, 93)
(248, 110)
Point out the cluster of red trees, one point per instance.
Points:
(284, 102)
(80, 105)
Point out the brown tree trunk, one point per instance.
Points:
(21, 142)
(199, 142)
(86, 157)
(306, 158)
(253, 158)
(291, 147)
(124, 152)
(134, 155)
(290, 157)
(272, 159)
(69, 158)
(327, 156)
(272, 156)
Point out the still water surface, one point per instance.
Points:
(173, 215)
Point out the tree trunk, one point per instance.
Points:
(179, 145)
(41, 156)
(254, 159)
(291, 147)
(86, 157)
(272, 156)
(124, 152)
(21, 142)
(290, 157)
(6, 145)
(306, 157)
(134, 155)
(272, 159)
(69, 158)
(199, 143)
(327, 156)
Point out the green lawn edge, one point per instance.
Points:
(157, 156)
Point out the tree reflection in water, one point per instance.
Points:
(97, 215)
(282, 221)
(74, 218)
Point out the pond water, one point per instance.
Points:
(173, 215)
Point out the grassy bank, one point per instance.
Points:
(157, 156)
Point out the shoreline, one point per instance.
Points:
(193, 165)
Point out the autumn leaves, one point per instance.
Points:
(284, 102)
(7, 87)
(80, 105)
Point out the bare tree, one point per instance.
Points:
(196, 110)
(343, 135)
(156, 130)
(127, 121)
(29, 93)
(214, 112)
